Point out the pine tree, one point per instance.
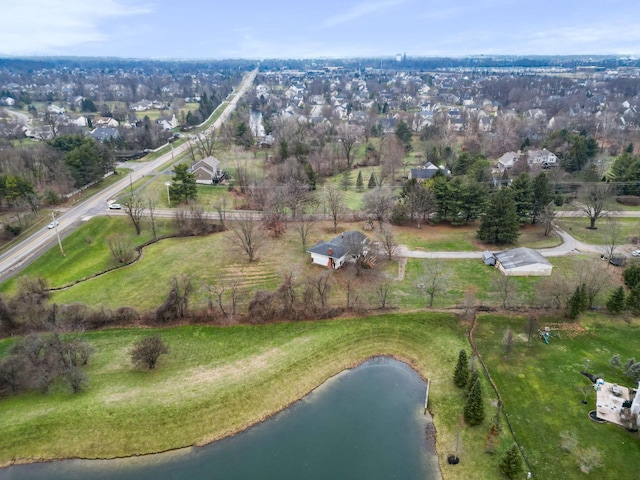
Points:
(473, 376)
(633, 300)
(474, 408)
(359, 182)
(372, 181)
(346, 180)
(511, 463)
(500, 223)
(461, 373)
(578, 302)
(617, 300)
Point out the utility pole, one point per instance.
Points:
(55, 226)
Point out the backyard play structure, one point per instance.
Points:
(546, 334)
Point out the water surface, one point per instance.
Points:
(365, 423)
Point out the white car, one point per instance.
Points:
(53, 224)
(115, 206)
(636, 253)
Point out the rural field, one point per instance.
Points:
(219, 380)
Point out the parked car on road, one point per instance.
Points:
(636, 253)
(115, 206)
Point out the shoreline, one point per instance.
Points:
(430, 433)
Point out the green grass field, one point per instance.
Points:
(539, 384)
(577, 227)
(217, 381)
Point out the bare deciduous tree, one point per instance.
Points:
(147, 351)
(321, 287)
(121, 248)
(614, 237)
(378, 202)
(333, 199)
(434, 278)
(505, 288)
(593, 199)
(304, 227)
(134, 207)
(382, 289)
(151, 206)
(387, 239)
(248, 237)
(347, 139)
(547, 217)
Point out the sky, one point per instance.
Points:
(252, 29)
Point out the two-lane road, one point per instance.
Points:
(29, 249)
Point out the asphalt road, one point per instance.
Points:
(28, 250)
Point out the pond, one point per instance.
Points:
(366, 422)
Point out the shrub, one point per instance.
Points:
(147, 351)
(629, 200)
(511, 464)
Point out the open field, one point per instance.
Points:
(447, 238)
(539, 385)
(212, 259)
(577, 227)
(217, 381)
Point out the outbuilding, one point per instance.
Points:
(523, 262)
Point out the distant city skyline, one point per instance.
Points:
(194, 29)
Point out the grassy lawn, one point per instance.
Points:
(447, 238)
(539, 384)
(578, 228)
(217, 381)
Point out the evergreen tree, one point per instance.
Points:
(372, 181)
(511, 463)
(345, 183)
(183, 185)
(500, 223)
(473, 376)
(542, 195)
(359, 182)
(617, 300)
(631, 276)
(578, 302)
(403, 132)
(633, 300)
(523, 196)
(461, 373)
(474, 408)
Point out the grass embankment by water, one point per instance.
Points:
(540, 384)
(217, 381)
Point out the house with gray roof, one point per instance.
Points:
(207, 171)
(335, 253)
(523, 262)
(427, 171)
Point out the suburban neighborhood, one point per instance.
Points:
(209, 242)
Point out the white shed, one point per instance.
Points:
(523, 262)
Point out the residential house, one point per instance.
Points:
(427, 171)
(337, 252)
(542, 158)
(103, 134)
(168, 123)
(207, 171)
(105, 122)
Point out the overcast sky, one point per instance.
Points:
(254, 29)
